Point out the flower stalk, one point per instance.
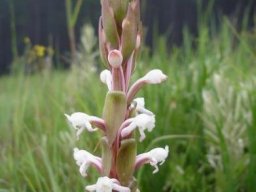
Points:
(123, 115)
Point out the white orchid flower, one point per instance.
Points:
(153, 157)
(85, 159)
(81, 121)
(154, 76)
(105, 184)
(142, 122)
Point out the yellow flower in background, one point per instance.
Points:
(39, 50)
(26, 40)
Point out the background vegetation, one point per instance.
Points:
(206, 113)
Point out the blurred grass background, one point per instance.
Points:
(205, 112)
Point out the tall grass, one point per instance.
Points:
(36, 142)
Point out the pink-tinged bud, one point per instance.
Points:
(129, 33)
(115, 58)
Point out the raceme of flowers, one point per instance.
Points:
(124, 115)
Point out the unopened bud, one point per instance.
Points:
(109, 24)
(115, 58)
(129, 33)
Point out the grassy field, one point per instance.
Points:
(205, 112)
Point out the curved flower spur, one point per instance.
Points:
(120, 32)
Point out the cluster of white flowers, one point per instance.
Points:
(143, 120)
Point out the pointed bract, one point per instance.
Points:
(109, 24)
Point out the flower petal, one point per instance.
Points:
(140, 106)
(155, 76)
(106, 77)
(105, 184)
(153, 157)
(142, 122)
(80, 121)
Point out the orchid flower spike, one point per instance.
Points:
(153, 157)
(139, 104)
(105, 184)
(106, 77)
(143, 122)
(84, 159)
(154, 76)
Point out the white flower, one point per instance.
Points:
(154, 76)
(85, 159)
(153, 157)
(143, 122)
(105, 184)
(80, 122)
(106, 77)
(140, 106)
(115, 58)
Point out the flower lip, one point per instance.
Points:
(80, 121)
(105, 184)
(85, 159)
(115, 58)
(153, 157)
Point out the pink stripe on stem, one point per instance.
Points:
(134, 89)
